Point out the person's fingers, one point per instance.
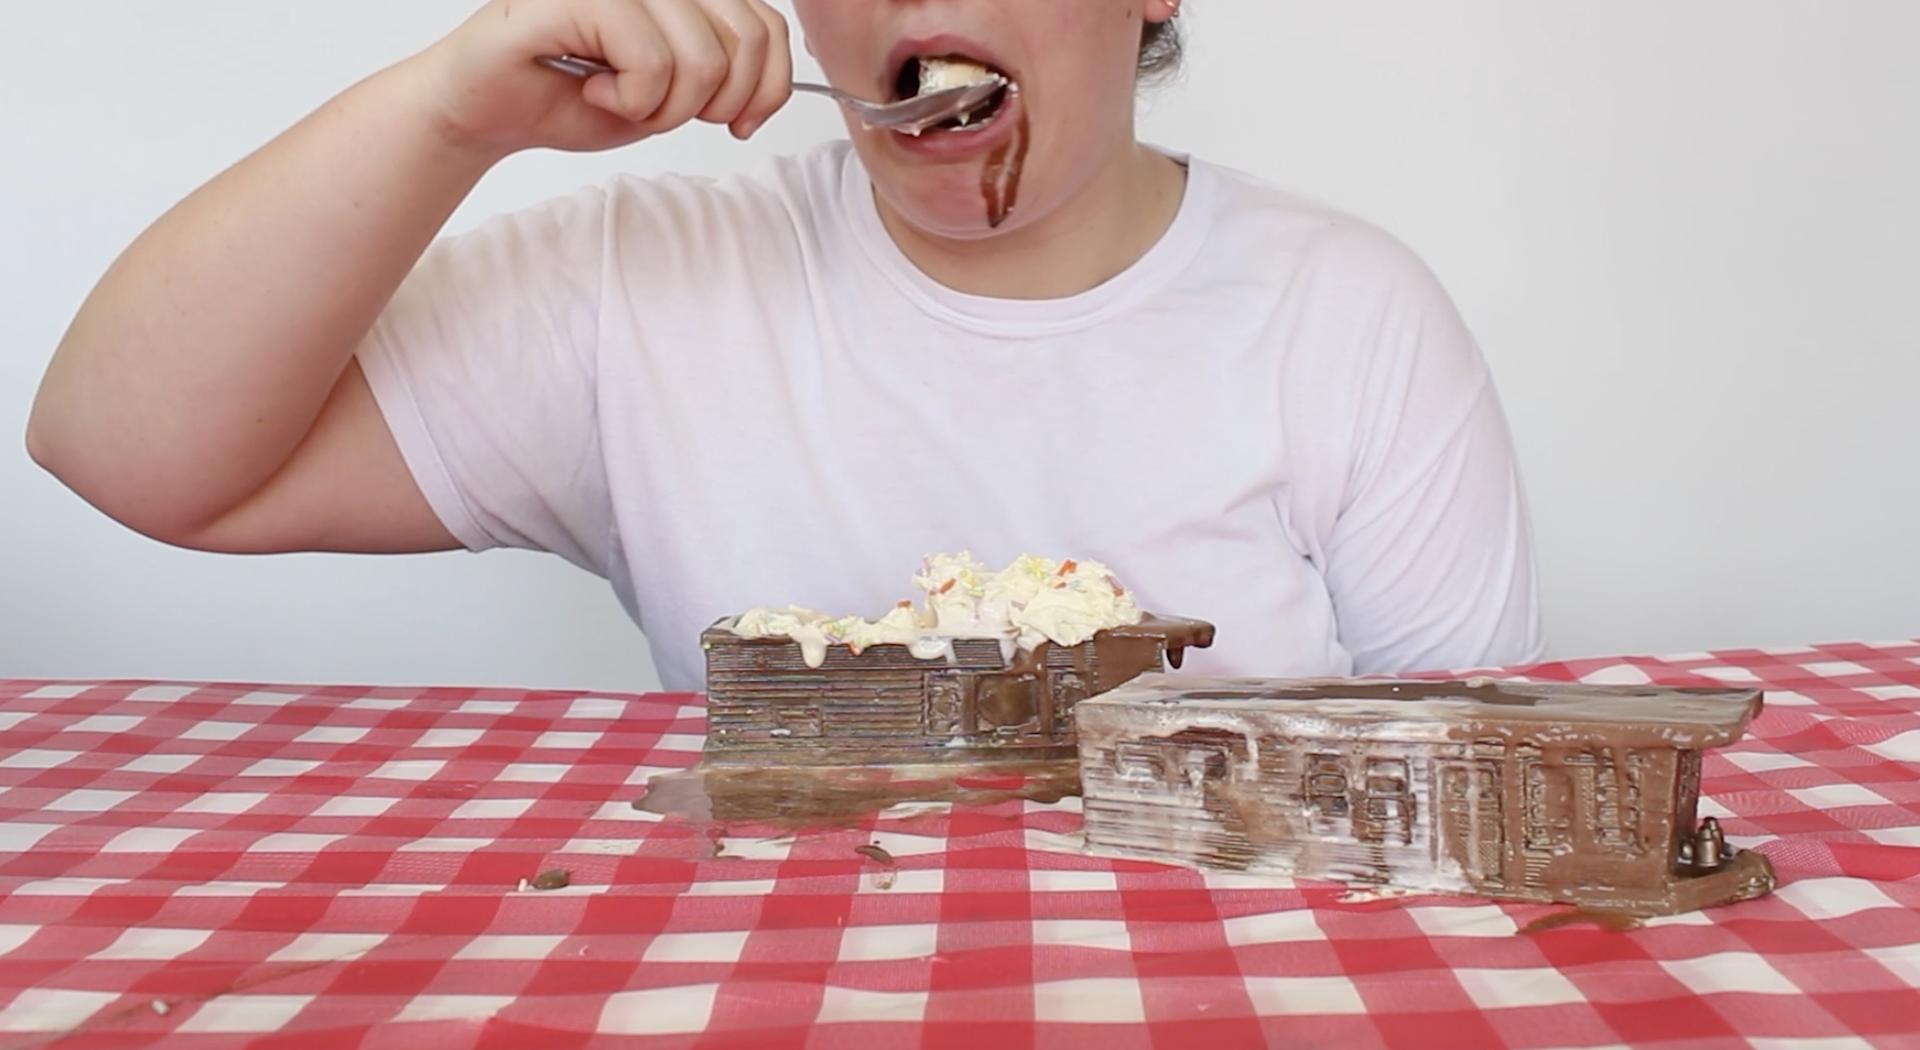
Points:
(776, 74)
(624, 34)
(745, 38)
(699, 61)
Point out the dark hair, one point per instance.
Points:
(1160, 49)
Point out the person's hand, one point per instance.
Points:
(721, 61)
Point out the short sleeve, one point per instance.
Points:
(484, 368)
(1430, 561)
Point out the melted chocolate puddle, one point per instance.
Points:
(1000, 182)
(797, 798)
(1618, 922)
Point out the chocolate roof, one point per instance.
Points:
(1363, 709)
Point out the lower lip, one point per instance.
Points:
(944, 145)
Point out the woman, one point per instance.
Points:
(1032, 333)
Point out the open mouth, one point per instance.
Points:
(925, 74)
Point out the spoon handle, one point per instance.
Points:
(575, 66)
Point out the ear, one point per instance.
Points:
(1162, 10)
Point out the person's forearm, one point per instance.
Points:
(203, 356)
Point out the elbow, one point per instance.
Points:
(60, 454)
(58, 450)
(43, 446)
(38, 449)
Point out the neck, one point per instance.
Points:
(1089, 240)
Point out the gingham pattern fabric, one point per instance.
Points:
(228, 865)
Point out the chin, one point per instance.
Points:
(960, 191)
(948, 202)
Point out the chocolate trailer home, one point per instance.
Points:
(765, 705)
(1551, 793)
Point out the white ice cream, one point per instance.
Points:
(1030, 602)
(939, 74)
(942, 74)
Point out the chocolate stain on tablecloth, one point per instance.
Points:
(1618, 922)
(811, 797)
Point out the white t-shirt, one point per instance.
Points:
(726, 394)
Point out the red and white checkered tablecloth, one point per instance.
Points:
(227, 865)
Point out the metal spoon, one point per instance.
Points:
(912, 116)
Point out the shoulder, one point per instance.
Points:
(658, 221)
(1362, 291)
(1373, 337)
(1337, 249)
(784, 197)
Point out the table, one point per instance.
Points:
(227, 865)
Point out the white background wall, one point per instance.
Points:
(1688, 236)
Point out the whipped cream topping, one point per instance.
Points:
(1023, 606)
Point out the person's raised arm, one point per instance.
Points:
(206, 394)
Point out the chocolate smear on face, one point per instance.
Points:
(1000, 182)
